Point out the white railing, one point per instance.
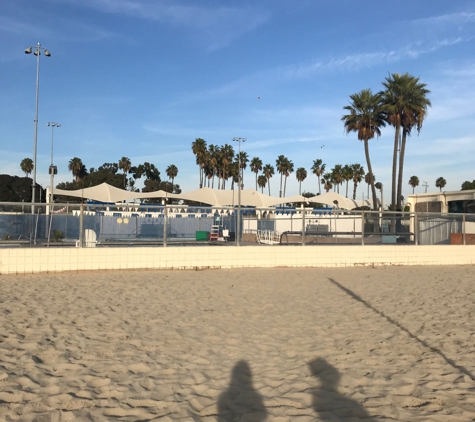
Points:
(268, 237)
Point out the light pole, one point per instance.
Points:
(238, 220)
(379, 186)
(37, 53)
(52, 168)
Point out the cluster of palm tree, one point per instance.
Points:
(402, 104)
(440, 183)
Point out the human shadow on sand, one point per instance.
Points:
(327, 401)
(241, 402)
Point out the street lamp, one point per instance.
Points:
(379, 186)
(52, 168)
(238, 220)
(37, 53)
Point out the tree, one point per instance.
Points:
(199, 149)
(27, 166)
(256, 167)
(262, 182)
(467, 185)
(289, 168)
(227, 156)
(125, 165)
(172, 172)
(414, 181)
(77, 168)
(268, 171)
(440, 183)
(366, 119)
(243, 158)
(281, 166)
(301, 175)
(405, 104)
(318, 168)
(347, 173)
(368, 179)
(358, 174)
(327, 181)
(337, 176)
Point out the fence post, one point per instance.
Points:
(81, 224)
(362, 227)
(303, 225)
(165, 226)
(416, 229)
(463, 229)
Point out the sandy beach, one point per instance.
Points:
(341, 344)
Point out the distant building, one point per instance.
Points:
(462, 202)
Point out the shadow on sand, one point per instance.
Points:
(241, 402)
(329, 404)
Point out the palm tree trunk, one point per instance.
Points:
(401, 169)
(268, 185)
(370, 170)
(396, 141)
(300, 188)
(354, 191)
(285, 185)
(280, 192)
(347, 188)
(319, 185)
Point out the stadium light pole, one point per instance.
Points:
(37, 52)
(52, 168)
(238, 220)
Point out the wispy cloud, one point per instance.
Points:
(217, 27)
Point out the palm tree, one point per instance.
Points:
(414, 181)
(256, 167)
(368, 180)
(365, 118)
(347, 173)
(125, 165)
(327, 181)
(281, 166)
(172, 172)
(301, 175)
(27, 166)
(405, 106)
(227, 156)
(76, 167)
(358, 174)
(440, 183)
(262, 182)
(243, 159)
(337, 176)
(318, 168)
(268, 171)
(199, 149)
(289, 168)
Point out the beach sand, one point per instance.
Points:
(284, 344)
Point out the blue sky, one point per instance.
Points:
(144, 78)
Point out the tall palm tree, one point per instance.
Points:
(405, 106)
(27, 166)
(256, 167)
(262, 182)
(76, 166)
(347, 173)
(268, 171)
(337, 173)
(318, 168)
(125, 165)
(440, 183)
(172, 172)
(243, 159)
(301, 175)
(227, 156)
(358, 174)
(327, 181)
(414, 182)
(368, 180)
(366, 119)
(281, 166)
(289, 168)
(199, 149)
